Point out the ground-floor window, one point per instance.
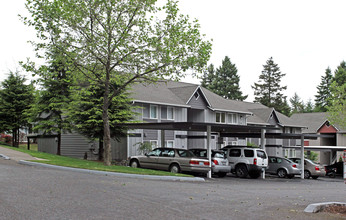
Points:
(154, 144)
(169, 144)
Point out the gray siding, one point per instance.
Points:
(75, 145)
(119, 149)
(150, 135)
(47, 145)
(340, 139)
(198, 103)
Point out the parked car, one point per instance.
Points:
(335, 169)
(246, 161)
(311, 169)
(282, 167)
(174, 160)
(219, 163)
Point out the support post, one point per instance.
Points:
(162, 138)
(263, 146)
(302, 155)
(28, 144)
(208, 149)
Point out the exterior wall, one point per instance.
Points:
(119, 149)
(198, 101)
(340, 139)
(274, 151)
(47, 145)
(196, 115)
(76, 145)
(326, 128)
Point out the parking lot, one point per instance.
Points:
(44, 193)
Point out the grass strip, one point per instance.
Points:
(91, 165)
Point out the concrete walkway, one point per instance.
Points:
(15, 155)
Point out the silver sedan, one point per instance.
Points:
(174, 160)
(282, 167)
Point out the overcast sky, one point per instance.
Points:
(304, 37)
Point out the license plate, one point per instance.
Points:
(224, 163)
(201, 163)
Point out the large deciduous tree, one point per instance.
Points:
(15, 97)
(268, 90)
(323, 91)
(225, 81)
(117, 43)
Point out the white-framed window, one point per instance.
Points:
(153, 111)
(286, 153)
(196, 95)
(169, 144)
(170, 113)
(220, 117)
(154, 144)
(232, 118)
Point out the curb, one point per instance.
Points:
(138, 176)
(4, 156)
(317, 207)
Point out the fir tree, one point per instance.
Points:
(208, 77)
(323, 92)
(15, 98)
(268, 90)
(297, 105)
(225, 82)
(340, 74)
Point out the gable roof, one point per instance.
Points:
(314, 121)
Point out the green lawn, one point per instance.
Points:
(86, 164)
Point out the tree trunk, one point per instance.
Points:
(106, 129)
(101, 149)
(59, 145)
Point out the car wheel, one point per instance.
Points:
(221, 174)
(174, 168)
(331, 175)
(255, 174)
(307, 174)
(134, 164)
(282, 173)
(314, 177)
(241, 171)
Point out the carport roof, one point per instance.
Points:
(197, 126)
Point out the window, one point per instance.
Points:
(232, 118)
(155, 152)
(261, 154)
(185, 153)
(169, 144)
(249, 153)
(196, 95)
(167, 153)
(167, 113)
(153, 144)
(170, 113)
(153, 111)
(235, 153)
(220, 117)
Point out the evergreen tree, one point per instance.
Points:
(297, 105)
(225, 82)
(86, 115)
(15, 99)
(337, 108)
(309, 107)
(208, 77)
(323, 92)
(268, 90)
(48, 112)
(340, 74)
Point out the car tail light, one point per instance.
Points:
(294, 165)
(215, 162)
(206, 163)
(194, 162)
(317, 168)
(255, 161)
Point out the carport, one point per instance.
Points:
(224, 130)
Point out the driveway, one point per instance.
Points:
(43, 193)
